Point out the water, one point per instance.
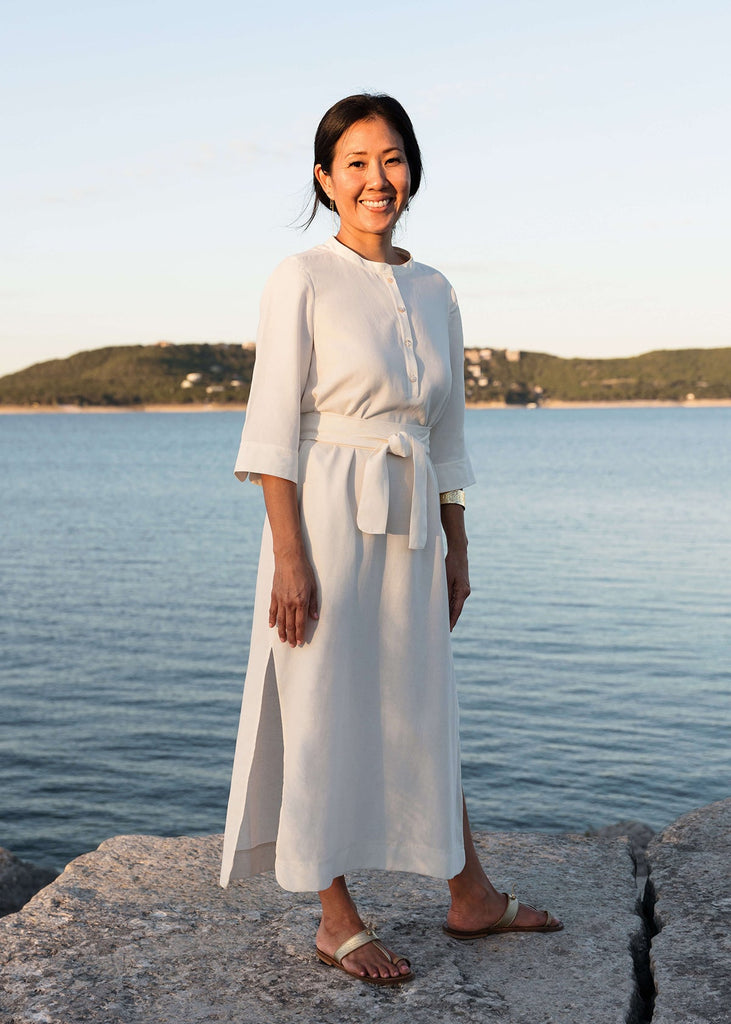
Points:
(593, 656)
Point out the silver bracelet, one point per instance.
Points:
(452, 498)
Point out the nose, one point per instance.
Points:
(376, 174)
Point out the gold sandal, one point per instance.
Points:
(355, 942)
(505, 923)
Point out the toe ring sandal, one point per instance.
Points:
(505, 923)
(355, 942)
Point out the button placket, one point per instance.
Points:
(405, 334)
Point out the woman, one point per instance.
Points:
(348, 748)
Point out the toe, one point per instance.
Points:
(528, 916)
(375, 965)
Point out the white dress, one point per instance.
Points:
(348, 749)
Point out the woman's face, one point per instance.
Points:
(369, 179)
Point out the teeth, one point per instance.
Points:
(376, 204)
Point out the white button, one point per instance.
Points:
(402, 309)
(408, 341)
(390, 280)
(412, 377)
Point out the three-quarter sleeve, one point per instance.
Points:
(447, 445)
(270, 438)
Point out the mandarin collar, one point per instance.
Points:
(371, 265)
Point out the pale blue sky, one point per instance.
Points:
(577, 162)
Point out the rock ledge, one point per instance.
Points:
(139, 932)
(690, 893)
(19, 880)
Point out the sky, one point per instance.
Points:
(156, 154)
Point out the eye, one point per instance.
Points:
(355, 163)
(394, 160)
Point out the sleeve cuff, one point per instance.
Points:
(255, 458)
(452, 476)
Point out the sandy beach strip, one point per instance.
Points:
(16, 410)
(640, 403)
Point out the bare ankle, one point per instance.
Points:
(339, 912)
(467, 886)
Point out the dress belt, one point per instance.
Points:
(381, 438)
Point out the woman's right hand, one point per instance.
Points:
(294, 589)
(294, 597)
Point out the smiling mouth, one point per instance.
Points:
(376, 204)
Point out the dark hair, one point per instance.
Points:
(345, 113)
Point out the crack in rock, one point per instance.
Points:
(642, 1004)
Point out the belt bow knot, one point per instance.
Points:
(383, 438)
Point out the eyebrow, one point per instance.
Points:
(363, 152)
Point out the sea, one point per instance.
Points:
(593, 657)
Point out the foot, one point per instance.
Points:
(368, 960)
(484, 908)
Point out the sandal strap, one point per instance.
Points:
(395, 959)
(548, 913)
(510, 913)
(379, 945)
(356, 941)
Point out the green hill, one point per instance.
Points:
(221, 373)
(670, 375)
(135, 375)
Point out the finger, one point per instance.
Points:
(300, 621)
(312, 608)
(282, 624)
(453, 614)
(292, 626)
(272, 612)
(456, 603)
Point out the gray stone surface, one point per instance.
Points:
(139, 932)
(638, 834)
(691, 955)
(19, 880)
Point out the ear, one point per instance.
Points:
(324, 180)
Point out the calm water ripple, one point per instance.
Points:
(593, 656)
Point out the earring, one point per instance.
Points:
(403, 222)
(333, 214)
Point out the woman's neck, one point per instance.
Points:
(376, 248)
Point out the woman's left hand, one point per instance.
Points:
(458, 584)
(458, 577)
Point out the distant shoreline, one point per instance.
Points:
(199, 407)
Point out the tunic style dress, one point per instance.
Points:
(348, 748)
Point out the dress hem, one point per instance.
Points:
(295, 876)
